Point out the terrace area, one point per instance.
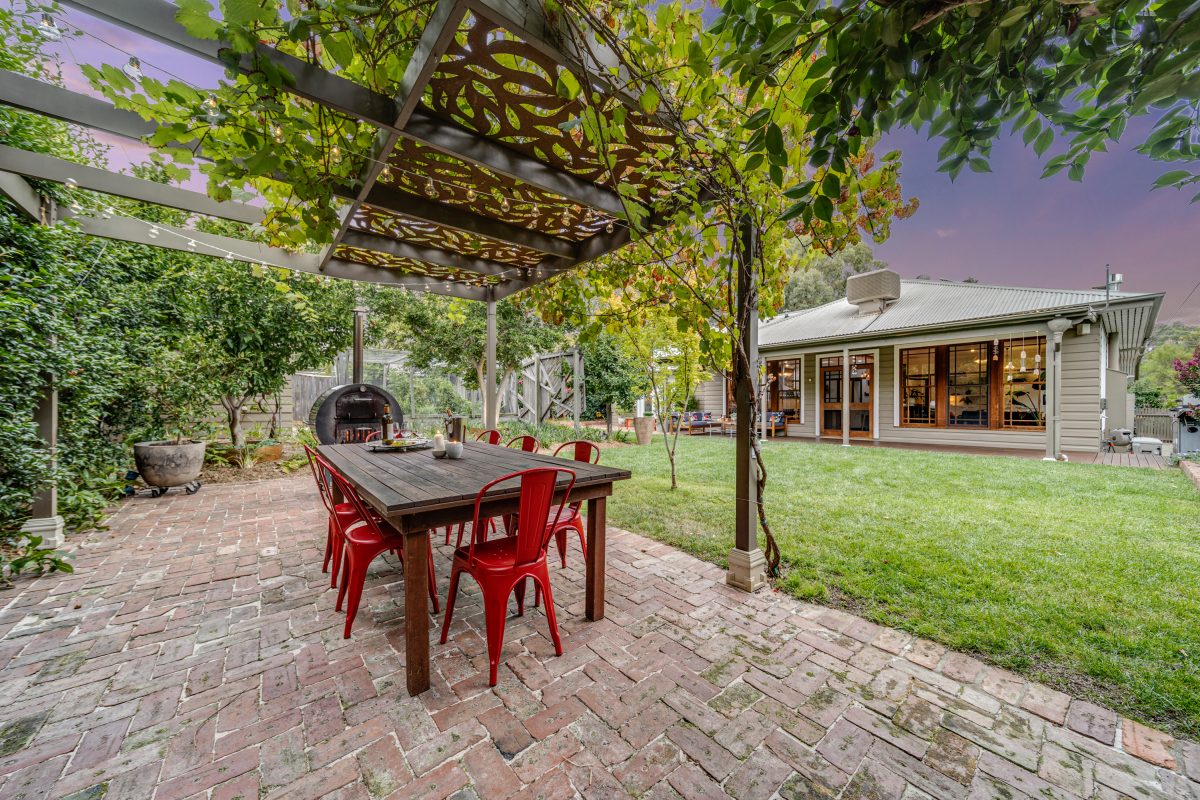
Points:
(196, 654)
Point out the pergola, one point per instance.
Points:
(475, 187)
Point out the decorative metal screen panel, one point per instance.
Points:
(492, 82)
(418, 269)
(407, 229)
(425, 172)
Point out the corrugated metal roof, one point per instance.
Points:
(925, 304)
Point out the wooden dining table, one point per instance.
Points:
(418, 494)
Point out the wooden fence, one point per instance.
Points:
(306, 388)
(1158, 423)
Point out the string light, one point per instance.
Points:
(471, 193)
(566, 218)
(609, 227)
(430, 190)
(153, 232)
(386, 174)
(133, 69)
(49, 29)
(504, 206)
(75, 207)
(335, 154)
(277, 133)
(191, 245)
(71, 183)
(212, 109)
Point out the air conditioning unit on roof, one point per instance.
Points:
(872, 291)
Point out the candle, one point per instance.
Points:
(438, 442)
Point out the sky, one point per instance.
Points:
(1007, 227)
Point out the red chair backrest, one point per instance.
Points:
(537, 495)
(490, 436)
(527, 443)
(352, 496)
(582, 450)
(316, 464)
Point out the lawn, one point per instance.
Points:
(1084, 577)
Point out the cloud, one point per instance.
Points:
(945, 233)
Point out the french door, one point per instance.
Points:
(862, 390)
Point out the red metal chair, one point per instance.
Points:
(589, 453)
(490, 436)
(529, 444)
(371, 436)
(341, 515)
(368, 537)
(500, 565)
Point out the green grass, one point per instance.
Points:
(1084, 577)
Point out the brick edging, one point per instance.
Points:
(1192, 470)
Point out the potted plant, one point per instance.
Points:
(180, 397)
(643, 428)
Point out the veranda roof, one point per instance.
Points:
(478, 189)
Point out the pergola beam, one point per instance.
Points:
(391, 199)
(38, 165)
(431, 255)
(30, 94)
(439, 30)
(23, 196)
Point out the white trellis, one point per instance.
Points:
(547, 386)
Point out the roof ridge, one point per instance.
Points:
(979, 285)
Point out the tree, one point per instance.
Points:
(968, 70)
(1170, 342)
(822, 278)
(451, 334)
(1188, 372)
(670, 359)
(610, 377)
(259, 326)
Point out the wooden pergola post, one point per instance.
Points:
(491, 392)
(44, 520)
(747, 565)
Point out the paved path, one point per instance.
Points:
(195, 653)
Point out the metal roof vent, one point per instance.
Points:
(871, 291)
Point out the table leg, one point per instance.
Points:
(416, 611)
(594, 593)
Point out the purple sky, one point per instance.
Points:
(1006, 227)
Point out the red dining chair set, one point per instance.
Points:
(356, 535)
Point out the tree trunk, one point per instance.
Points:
(233, 415)
(608, 420)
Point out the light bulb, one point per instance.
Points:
(1036, 373)
(277, 133)
(75, 207)
(471, 193)
(133, 69)
(430, 190)
(609, 227)
(191, 245)
(335, 154)
(71, 183)
(386, 174)
(504, 205)
(49, 29)
(106, 214)
(566, 219)
(153, 232)
(228, 255)
(536, 210)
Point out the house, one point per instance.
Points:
(948, 363)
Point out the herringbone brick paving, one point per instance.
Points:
(195, 653)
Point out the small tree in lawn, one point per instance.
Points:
(259, 326)
(610, 376)
(670, 358)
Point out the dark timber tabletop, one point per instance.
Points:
(417, 493)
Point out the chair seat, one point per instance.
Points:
(494, 554)
(568, 517)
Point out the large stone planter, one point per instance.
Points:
(169, 464)
(643, 429)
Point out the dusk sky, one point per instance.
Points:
(1007, 227)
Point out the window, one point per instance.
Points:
(918, 376)
(997, 384)
(786, 386)
(1024, 383)
(967, 386)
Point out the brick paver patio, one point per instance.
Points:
(195, 653)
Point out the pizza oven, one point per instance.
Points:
(353, 411)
